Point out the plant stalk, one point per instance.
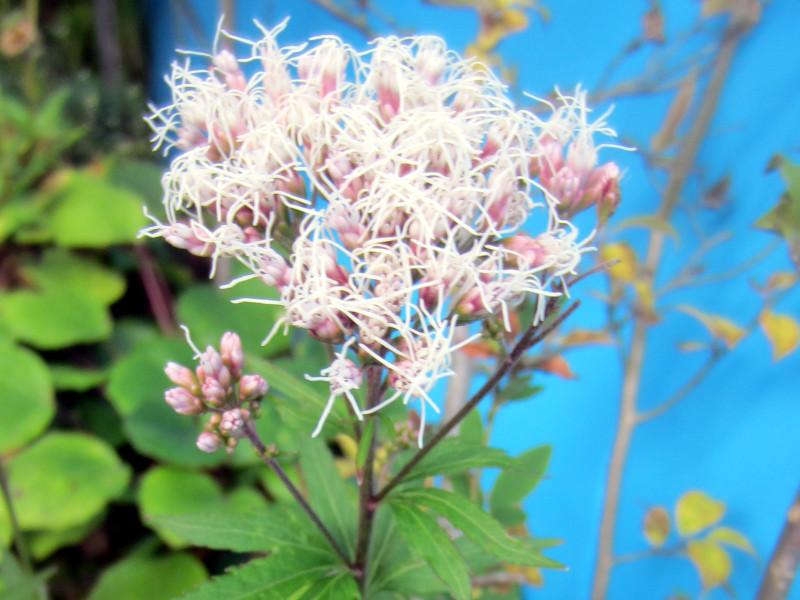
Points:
(628, 418)
(782, 567)
(296, 494)
(532, 336)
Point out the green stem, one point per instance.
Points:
(532, 336)
(366, 504)
(19, 539)
(296, 494)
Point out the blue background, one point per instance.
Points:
(737, 437)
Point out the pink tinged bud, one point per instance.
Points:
(252, 387)
(191, 136)
(550, 163)
(227, 63)
(210, 441)
(214, 392)
(528, 252)
(327, 330)
(388, 93)
(211, 365)
(602, 188)
(274, 271)
(183, 402)
(232, 421)
(345, 222)
(232, 354)
(180, 375)
(186, 238)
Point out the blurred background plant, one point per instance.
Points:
(91, 456)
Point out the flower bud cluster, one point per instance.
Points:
(414, 196)
(217, 386)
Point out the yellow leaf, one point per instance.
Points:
(782, 332)
(692, 346)
(719, 327)
(711, 561)
(696, 511)
(781, 281)
(625, 270)
(731, 537)
(656, 526)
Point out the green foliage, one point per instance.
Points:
(154, 577)
(64, 480)
(26, 397)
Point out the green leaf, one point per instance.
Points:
(27, 401)
(43, 543)
(696, 511)
(208, 312)
(51, 320)
(15, 584)
(252, 531)
(453, 455)
(60, 270)
(513, 486)
(277, 577)
(477, 525)
(67, 377)
(170, 491)
(338, 586)
(784, 218)
(471, 428)
(65, 479)
(519, 389)
(427, 540)
(136, 390)
(301, 401)
(154, 578)
(328, 494)
(92, 213)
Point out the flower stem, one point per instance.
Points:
(366, 503)
(296, 494)
(532, 336)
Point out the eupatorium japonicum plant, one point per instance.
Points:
(390, 197)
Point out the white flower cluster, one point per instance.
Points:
(383, 193)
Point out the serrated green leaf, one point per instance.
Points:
(54, 319)
(301, 401)
(454, 455)
(261, 530)
(154, 578)
(338, 586)
(512, 487)
(27, 402)
(428, 541)
(65, 479)
(273, 578)
(477, 525)
(328, 494)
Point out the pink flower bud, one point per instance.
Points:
(232, 421)
(252, 387)
(183, 402)
(214, 392)
(186, 238)
(227, 63)
(180, 375)
(232, 354)
(528, 252)
(210, 441)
